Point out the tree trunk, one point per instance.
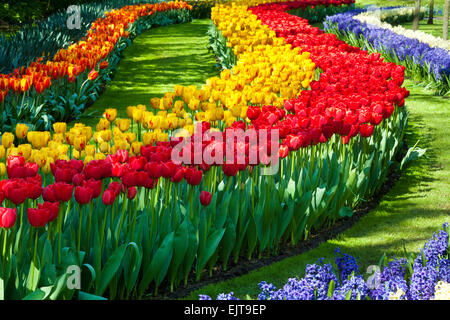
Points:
(431, 12)
(416, 15)
(445, 30)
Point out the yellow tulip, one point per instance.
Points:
(7, 139)
(90, 150)
(137, 115)
(21, 130)
(100, 156)
(60, 127)
(131, 137)
(136, 147)
(123, 124)
(2, 152)
(2, 169)
(79, 143)
(163, 137)
(103, 124)
(178, 90)
(25, 150)
(104, 147)
(148, 138)
(155, 102)
(106, 135)
(194, 104)
(110, 114)
(40, 158)
(130, 111)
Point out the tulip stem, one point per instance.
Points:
(103, 228)
(91, 207)
(34, 256)
(5, 236)
(79, 233)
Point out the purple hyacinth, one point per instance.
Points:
(423, 282)
(395, 269)
(433, 250)
(356, 285)
(229, 296)
(346, 264)
(389, 286)
(444, 270)
(437, 59)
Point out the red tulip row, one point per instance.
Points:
(356, 91)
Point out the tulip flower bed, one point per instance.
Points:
(425, 60)
(59, 88)
(423, 277)
(116, 202)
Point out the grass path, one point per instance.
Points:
(156, 61)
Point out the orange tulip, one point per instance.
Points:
(93, 75)
(104, 65)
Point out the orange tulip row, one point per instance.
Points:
(84, 55)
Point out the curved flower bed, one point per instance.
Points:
(134, 217)
(59, 88)
(422, 61)
(423, 277)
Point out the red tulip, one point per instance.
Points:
(83, 195)
(15, 192)
(155, 170)
(52, 207)
(178, 175)
(95, 185)
(253, 113)
(193, 176)
(108, 197)
(8, 217)
(78, 179)
(283, 151)
(131, 194)
(366, 130)
(230, 170)
(38, 217)
(63, 191)
(205, 198)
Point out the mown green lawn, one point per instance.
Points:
(435, 29)
(157, 60)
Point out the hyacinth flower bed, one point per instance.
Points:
(425, 276)
(61, 77)
(425, 57)
(116, 203)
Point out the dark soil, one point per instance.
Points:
(315, 238)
